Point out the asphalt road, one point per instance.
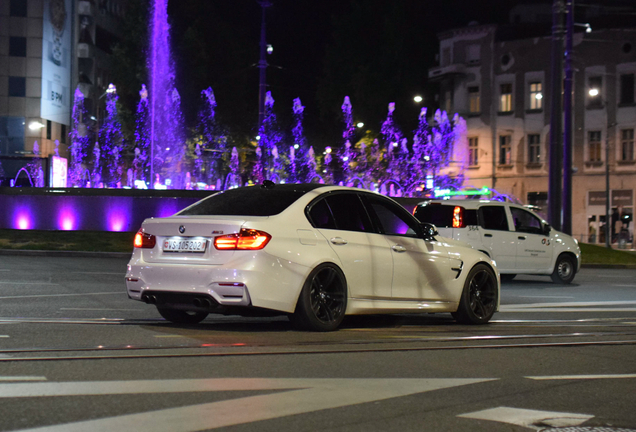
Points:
(77, 355)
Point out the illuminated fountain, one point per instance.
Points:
(167, 148)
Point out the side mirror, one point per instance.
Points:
(546, 229)
(429, 230)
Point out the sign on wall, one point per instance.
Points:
(620, 197)
(55, 103)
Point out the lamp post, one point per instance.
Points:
(262, 65)
(554, 181)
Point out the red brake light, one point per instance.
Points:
(246, 239)
(144, 240)
(458, 217)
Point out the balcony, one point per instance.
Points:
(443, 71)
(85, 50)
(85, 8)
(85, 88)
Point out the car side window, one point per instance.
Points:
(390, 219)
(526, 221)
(320, 215)
(493, 218)
(349, 213)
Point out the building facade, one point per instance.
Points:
(502, 87)
(48, 48)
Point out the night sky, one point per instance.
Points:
(375, 51)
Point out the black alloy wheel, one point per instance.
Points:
(479, 297)
(323, 300)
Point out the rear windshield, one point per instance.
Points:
(249, 201)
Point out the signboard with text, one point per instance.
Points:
(55, 103)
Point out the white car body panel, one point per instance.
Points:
(379, 279)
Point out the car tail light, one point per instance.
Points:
(144, 240)
(246, 239)
(458, 217)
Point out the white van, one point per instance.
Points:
(515, 237)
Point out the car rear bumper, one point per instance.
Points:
(259, 280)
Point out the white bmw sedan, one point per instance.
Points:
(313, 252)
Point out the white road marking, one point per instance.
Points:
(22, 378)
(102, 273)
(28, 283)
(63, 295)
(581, 377)
(603, 306)
(529, 418)
(100, 309)
(303, 395)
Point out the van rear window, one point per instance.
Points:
(438, 214)
(441, 215)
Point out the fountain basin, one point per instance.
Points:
(89, 209)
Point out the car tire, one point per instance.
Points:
(479, 298)
(564, 270)
(507, 277)
(322, 302)
(182, 317)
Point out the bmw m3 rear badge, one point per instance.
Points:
(181, 229)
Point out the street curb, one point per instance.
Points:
(64, 254)
(609, 266)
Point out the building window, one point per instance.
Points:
(17, 86)
(627, 145)
(536, 96)
(473, 151)
(505, 149)
(446, 56)
(505, 98)
(63, 134)
(595, 88)
(627, 89)
(18, 8)
(49, 126)
(594, 144)
(473, 53)
(534, 148)
(474, 102)
(17, 46)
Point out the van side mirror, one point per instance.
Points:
(429, 230)
(546, 229)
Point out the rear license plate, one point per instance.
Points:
(180, 244)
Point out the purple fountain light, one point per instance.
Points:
(165, 116)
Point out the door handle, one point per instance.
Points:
(487, 235)
(398, 248)
(522, 237)
(338, 241)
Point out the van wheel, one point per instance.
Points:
(564, 270)
(323, 300)
(507, 277)
(479, 297)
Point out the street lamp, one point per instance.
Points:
(418, 99)
(594, 92)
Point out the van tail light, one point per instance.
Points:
(458, 217)
(246, 239)
(144, 240)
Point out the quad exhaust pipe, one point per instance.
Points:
(202, 302)
(150, 299)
